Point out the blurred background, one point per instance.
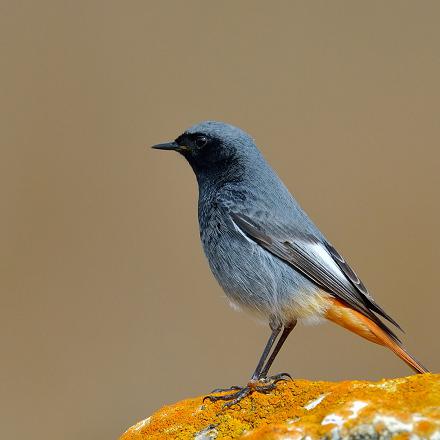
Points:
(108, 309)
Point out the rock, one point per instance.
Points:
(403, 408)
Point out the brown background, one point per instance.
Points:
(108, 309)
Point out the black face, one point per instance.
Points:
(203, 151)
(216, 151)
(193, 141)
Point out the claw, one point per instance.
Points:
(265, 388)
(280, 376)
(240, 395)
(225, 396)
(210, 398)
(222, 390)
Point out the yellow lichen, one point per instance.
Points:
(303, 408)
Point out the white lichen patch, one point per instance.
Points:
(419, 418)
(389, 385)
(339, 420)
(210, 432)
(296, 434)
(356, 406)
(314, 403)
(435, 435)
(142, 424)
(392, 423)
(387, 426)
(333, 419)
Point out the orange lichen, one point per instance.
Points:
(302, 408)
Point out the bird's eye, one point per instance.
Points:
(201, 141)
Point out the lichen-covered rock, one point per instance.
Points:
(404, 408)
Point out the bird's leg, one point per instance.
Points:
(259, 381)
(275, 326)
(286, 332)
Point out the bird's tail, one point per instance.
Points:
(363, 326)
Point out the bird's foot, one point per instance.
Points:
(232, 398)
(222, 390)
(262, 385)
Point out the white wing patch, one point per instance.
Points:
(319, 253)
(239, 230)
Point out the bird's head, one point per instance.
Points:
(213, 146)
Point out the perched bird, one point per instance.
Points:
(267, 255)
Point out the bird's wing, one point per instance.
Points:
(359, 285)
(318, 261)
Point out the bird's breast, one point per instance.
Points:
(212, 223)
(251, 277)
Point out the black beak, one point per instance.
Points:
(167, 146)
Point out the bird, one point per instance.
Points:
(267, 254)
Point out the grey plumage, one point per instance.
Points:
(240, 198)
(262, 248)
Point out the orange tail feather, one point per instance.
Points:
(363, 326)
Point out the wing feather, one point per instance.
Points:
(359, 285)
(319, 262)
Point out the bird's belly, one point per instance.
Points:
(255, 280)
